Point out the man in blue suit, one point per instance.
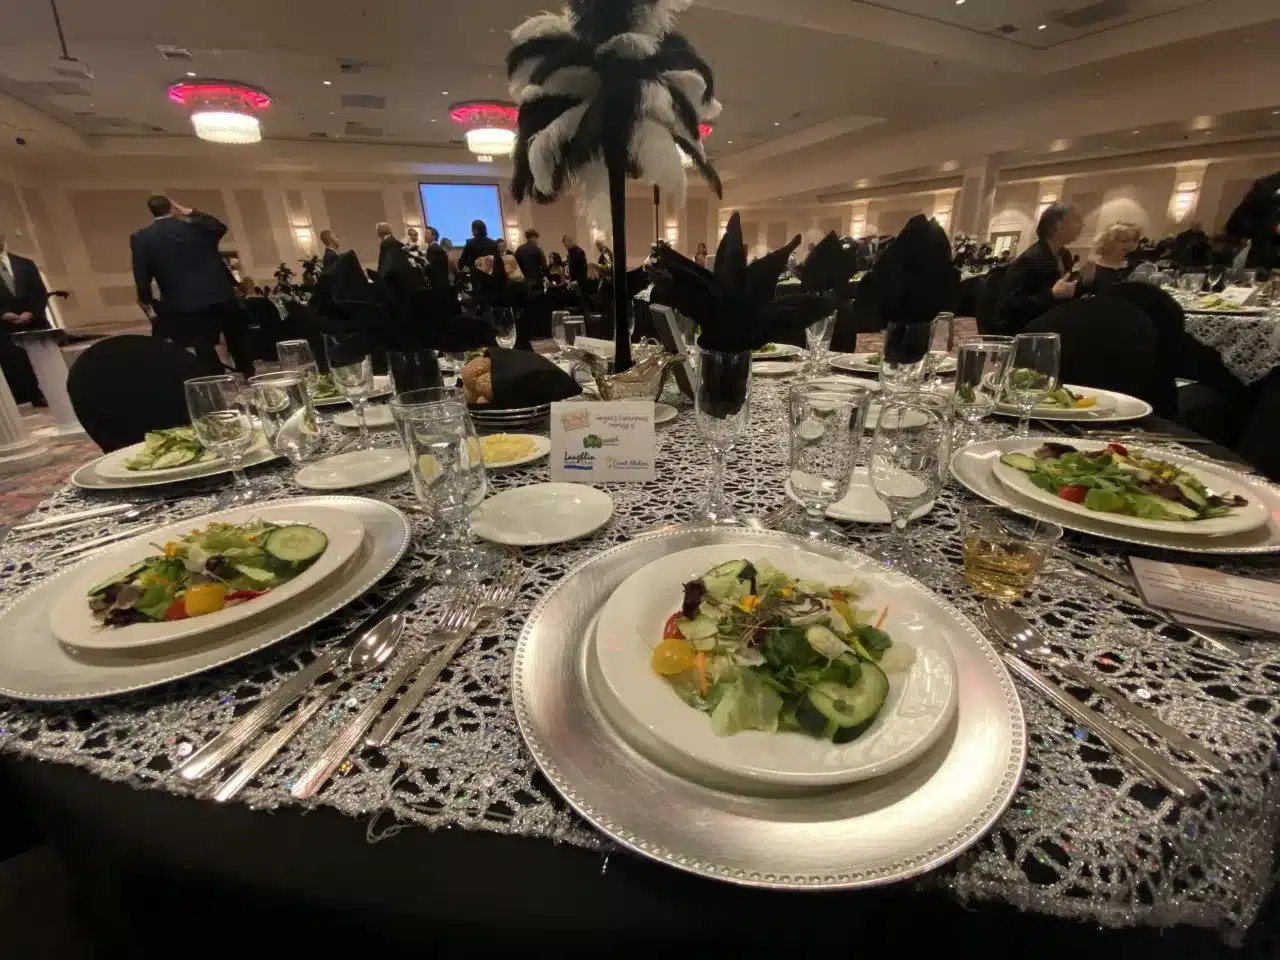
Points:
(179, 252)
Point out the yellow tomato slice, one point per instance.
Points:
(204, 598)
(673, 655)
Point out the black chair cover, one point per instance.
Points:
(121, 387)
(988, 297)
(969, 297)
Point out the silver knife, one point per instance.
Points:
(1122, 588)
(1006, 621)
(1151, 763)
(91, 545)
(67, 519)
(228, 743)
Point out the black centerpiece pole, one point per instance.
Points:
(616, 163)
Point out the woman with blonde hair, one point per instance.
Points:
(1109, 265)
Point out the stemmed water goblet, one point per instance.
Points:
(982, 366)
(351, 367)
(283, 405)
(220, 418)
(1034, 373)
(722, 403)
(827, 419)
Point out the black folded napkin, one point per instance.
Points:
(736, 307)
(829, 267)
(525, 379)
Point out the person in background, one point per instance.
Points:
(480, 245)
(395, 268)
(433, 235)
(1257, 219)
(179, 253)
(1039, 278)
(555, 269)
(532, 260)
(700, 254)
(604, 260)
(329, 240)
(411, 238)
(1191, 247)
(23, 297)
(575, 261)
(1109, 264)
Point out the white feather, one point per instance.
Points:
(655, 102)
(571, 81)
(543, 25)
(658, 158)
(657, 18)
(688, 82)
(632, 46)
(709, 110)
(546, 148)
(592, 188)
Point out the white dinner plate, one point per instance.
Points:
(1106, 408)
(1229, 311)
(542, 514)
(780, 351)
(35, 666)
(857, 363)
(913, 418)
(919, 707)
(375, 416)
(73, 624)
(112, 465)
(861, 505)
(541, 447)
(355, 468)
(381, 387)
(774, 368)
(91, 476)
(664, 413)
(1240, 520)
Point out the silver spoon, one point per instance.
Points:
(372, 650)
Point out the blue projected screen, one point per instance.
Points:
(450, 208)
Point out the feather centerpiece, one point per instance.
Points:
(608, 91)
(737, 307)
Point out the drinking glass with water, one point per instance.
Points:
(283, 403)
(220, 417)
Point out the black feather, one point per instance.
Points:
(677, 53)
(575, 53)
(702, 165)
(684, 110)
(545, 46)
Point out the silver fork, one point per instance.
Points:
(461, 611)
(499, 600)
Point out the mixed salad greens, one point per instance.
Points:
(166, 449)
(207, 570)
(1059, 399)
(1117, 480)
(760, 650)
(767, 349)
(322, 387)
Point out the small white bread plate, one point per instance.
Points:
(542, 514)
(355, 468)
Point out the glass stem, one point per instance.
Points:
(1024, 423)
(239, 478)
(364, 427)
(716, 508)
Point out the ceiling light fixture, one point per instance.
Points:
(328, 83)
(704, 131)
(490, 127)
(191, 73)
(222, 111)
(959, 3)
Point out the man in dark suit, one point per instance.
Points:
(394, 266)
(480, 245)
(532, 260)
(23, 296)
(575, 261)
(1257, 218)
(329, 240)
(1039, 279)
(1191, 247)
(179, 252)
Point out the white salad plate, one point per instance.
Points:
(972, 465)
(1240, 520)
(381, 387)
(71, 621)
(1229, 311)
(664, 413)
(91, 476)
(542, 514)
(858, 363)
(774, 368)
(374, 417)
(862, 505)
(780, 351)
(355, 468)
(1112, 407)
(35, 666)
(634, 789)
(917, 710)
(541, 447)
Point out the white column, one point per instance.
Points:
(18, 452)
(51, 372)
(971, 214)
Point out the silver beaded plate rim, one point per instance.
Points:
(606, 779)
(377, 556)
(971, 466)
(87, 477)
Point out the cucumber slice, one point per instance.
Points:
(702, 628)
(847, 711)
(120, 577)
(825, 642)
(299, 544)
(256, 574)
(174, 458)
(726, 581)
(1019, 461)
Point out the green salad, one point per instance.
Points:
(873, 359)
(760, 650)
(1117, 480)
(767, 349)
(1059, 399)
(322, 387)
(205, 571)
(166, 449)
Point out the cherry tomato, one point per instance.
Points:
(1117, 449)
(673, 655)
(670, 631)
(1074, 494)
(177, 610)
(244, 594)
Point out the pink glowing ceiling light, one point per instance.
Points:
(490, 126)
(222, 111)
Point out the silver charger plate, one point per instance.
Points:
(87, 477)
(972, 466)
(34, 666)
(870, 833)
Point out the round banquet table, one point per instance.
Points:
(450, 838)
(1249, 345)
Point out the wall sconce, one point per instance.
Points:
(858, 229)
(303, 236)
(943, 216)
(673, 231)
(513, 234)
(1184, 200)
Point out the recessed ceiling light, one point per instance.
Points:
(444, 93)
(433, 119)
(777, 123)
(1136, 132)
(730, 142)
(1043, 26)
(959, 3)
(191, 73)
(328, 83)
(1275, 113)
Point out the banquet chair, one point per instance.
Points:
(1111, 345)
(265, 327)
(970, 296)
(123, 386)
(988, 298)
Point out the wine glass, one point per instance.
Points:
(1034, 370)
(284, 406)
(982, 365)
(504, 327)
(447, 465)
(558, 317)
(827, 420)
(351, 367)
(904, 365)
(941, 333)
(818, 337)
(220, 417)
(295, 356)
(413, 370)
(1191, 282)
(722, 406)
(908, 461)
(1215, 274)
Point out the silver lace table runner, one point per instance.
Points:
(1085, 837)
